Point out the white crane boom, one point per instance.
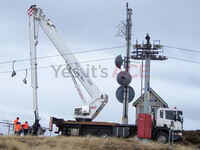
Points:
(90, 109)
(34, 81)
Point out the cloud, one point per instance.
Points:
(86, 25)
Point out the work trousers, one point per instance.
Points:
(17, 132)
(25, 132)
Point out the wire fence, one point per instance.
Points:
(6, 127)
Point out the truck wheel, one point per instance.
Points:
(134, 135)
(162, 137)
(87, 133)
(104, 134)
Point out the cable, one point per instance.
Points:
(44, 67)
(180, 59)
(94, 50)
(43, 57)
(184, 49)
(61, 64)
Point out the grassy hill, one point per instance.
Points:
(79, 143)
(191, 137)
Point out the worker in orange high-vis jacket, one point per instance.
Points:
(26, 127)
(16, 120)
(18, 128)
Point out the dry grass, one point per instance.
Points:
(79, 143)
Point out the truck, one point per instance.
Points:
(83, 125)
(161, 126)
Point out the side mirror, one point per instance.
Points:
(176, 117)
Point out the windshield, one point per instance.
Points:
(171, 115)
(180, 116)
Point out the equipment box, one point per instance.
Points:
(121, 131)
(144, 126)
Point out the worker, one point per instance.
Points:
(26, 127)
(18, 128)
(16, 120)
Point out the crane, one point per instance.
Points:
(90, 109)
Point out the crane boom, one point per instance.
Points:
(34, 83)
(89, 109)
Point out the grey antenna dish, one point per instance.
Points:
(119, 61)
(124, 78)
(120, 94)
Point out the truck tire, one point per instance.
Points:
(162, 137)
(87, 133)
(134, 134)
(104, 134)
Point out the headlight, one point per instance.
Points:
(180, 134)
(57, 129)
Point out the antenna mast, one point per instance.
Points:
(127, 62)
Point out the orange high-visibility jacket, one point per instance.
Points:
(25, 125)
(15, 121)
(18, 127)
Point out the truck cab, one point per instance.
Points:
(165, 116)
(168, 119)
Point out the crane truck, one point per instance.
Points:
(83, 125)
(90, 109)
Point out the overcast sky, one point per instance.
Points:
(91, 24)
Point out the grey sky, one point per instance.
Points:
(90, 24)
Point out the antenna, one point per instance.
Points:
(125, 94)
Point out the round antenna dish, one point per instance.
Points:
(119, 61)
(124, 78)
(120, 94)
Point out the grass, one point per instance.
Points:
(79, 143)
